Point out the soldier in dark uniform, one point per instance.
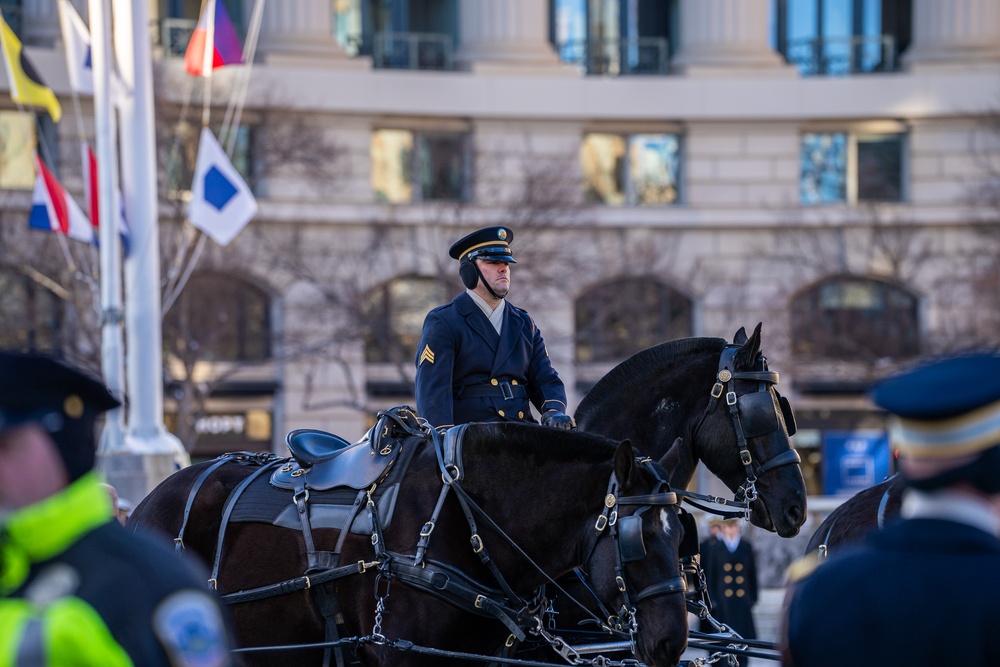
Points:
(480, 358)
(924, 590)
(731, 575)
(76, 589)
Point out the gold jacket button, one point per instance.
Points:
(520, 415)
(729, 592)
(727, 579)
(494, 382)
(500, 412)
(514, 382)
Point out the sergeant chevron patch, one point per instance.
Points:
(426, 355)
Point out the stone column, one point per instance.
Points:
(506, 34)
(299, 32)
(954, 32)
(726, 35)
(40, 23)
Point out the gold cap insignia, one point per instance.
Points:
(502, 234)
(73, 406)
(426, 355)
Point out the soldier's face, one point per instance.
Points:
(496, 274)
(30, 467)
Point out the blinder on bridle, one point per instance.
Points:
(753, 415)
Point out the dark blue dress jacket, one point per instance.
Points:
(466, 372)
(921, 592)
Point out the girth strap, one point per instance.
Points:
(227, 512)
(198, 483)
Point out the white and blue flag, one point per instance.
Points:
(221, 202)
(76, 37)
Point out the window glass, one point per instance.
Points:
(219, 317)
(30, 315)
(838, 37)
(855, 319)
(395, 315)
(602, 157)
(440, 160)
(880, 168)
(824, 168)
(418, 166)
(347, 25)
(17, 143)
(653, 161)
(392, 153)
(619, 318)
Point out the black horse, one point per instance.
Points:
(674, 399)
(681, 389)
(865, 511)
(456, 576)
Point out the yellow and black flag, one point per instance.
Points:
(26, 86)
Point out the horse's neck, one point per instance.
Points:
(681, 463)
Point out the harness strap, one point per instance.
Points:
(454, 590)
(228, 511)
(198, 483)
(428, 528)
(297, 584)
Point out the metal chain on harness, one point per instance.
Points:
(377, 636)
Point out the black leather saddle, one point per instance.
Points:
(328, 461)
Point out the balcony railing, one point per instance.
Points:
(413, 50)
(831, 56)
(175, 35)
(618, 57)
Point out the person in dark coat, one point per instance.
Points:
(76, 589)
(481, 358)
(732, 581)
(706, 552)
(924, 590)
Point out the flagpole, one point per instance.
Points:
(112, 348)
(155, 453)
(207, 62)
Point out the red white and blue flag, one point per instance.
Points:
(93, 207)
(53, 210)
(214, 42)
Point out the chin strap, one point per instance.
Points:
(483, 281)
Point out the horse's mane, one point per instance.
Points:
(645, 366)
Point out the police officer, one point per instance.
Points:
(924, 590)
(76, 589)
(481, 358)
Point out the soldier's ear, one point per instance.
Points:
(467, 272)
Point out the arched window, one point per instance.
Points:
(394, 316)
(854, 318)
(616, 319)
(219, 317)
(31, 316)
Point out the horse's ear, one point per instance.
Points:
(625, 464)
(740, 337)
(747, 354)
(679, 460)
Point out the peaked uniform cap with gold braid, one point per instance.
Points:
(947, 408)
(492, 243)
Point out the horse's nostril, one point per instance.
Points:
(794, 514)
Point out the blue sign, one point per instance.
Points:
(854, 460)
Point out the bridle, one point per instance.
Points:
(753, 415)
(626, 531)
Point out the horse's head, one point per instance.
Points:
(743, 438)
(635, 566)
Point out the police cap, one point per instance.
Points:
(63, 400)
(492, 243)
(946, 408)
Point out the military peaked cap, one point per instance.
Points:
(491, 243)
(949, 407)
